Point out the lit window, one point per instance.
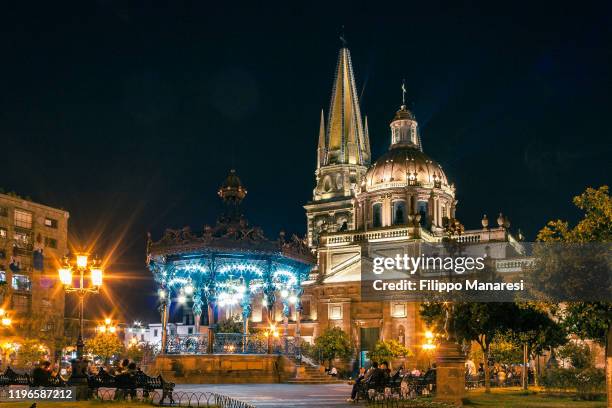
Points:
(21, 283)
(50, 222)
(2, 276)
(3, 233)
(398, 310)
(335, 312)
(377, 215)
(23, 219)
(50, 242)
(22, 237)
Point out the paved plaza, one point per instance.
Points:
(280, 395)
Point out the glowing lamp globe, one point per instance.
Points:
(65, 276)
(81, 261)
(96, 277)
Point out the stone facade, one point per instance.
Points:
(33, 239)
(391, 206)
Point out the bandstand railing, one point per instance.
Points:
(233, 343)
(187, 343)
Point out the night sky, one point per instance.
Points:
(130, 116)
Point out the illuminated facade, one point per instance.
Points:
(360, 211)
(230, 271)
(32, 238)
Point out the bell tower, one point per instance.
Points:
(343, 154)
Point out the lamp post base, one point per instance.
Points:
(450, 374)
(78, 379)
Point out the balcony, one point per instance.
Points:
(389, 234)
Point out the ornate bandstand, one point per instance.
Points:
(231, 271)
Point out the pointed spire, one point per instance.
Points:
(367, 137)
(345, 136)
(321, 147)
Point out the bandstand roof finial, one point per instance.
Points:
(232, 189)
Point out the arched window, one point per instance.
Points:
(423, 212)
(399, 212)
(377, 215)
(401, 337)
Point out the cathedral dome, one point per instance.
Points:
(404, 165)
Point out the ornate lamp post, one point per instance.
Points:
(81, 264)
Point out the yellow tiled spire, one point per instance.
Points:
(345, 140)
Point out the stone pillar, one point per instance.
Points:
(164, 321)
(286, 312)
(211, 324)
(450, 373)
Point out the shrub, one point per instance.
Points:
(578, 354)
(588, 382)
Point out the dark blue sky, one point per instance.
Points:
(129, 116)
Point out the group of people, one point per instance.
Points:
(42, 374)
(380, 374)
(501, 374)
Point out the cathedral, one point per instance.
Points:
(294, 289)
(364, 207)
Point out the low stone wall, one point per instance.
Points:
(223, 368)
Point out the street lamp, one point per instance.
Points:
(81, 264)
(4, 318)
(107, 327)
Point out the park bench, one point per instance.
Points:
(127, 384)
(11, 377)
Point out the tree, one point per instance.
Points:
(135, 352)
(588, 320)
(333, 343)
(231, 325)
(31, 352)
(104, 345)
(478, 322)
(388, 350)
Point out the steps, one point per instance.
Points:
(313, 375)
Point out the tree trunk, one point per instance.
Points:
(525, 379)
(609, 366)
(536, 371)
(485, 354)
